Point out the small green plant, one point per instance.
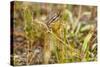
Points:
(61, 37)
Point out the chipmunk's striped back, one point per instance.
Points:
(53, 16)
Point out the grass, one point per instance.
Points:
(65, 38)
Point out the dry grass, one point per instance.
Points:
(51, 33)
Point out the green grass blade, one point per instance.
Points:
(86, 41)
